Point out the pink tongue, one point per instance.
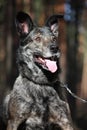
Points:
(52, 66)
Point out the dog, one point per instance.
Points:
(37, 101)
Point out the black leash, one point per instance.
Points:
(70, 92)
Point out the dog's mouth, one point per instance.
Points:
(48, 63)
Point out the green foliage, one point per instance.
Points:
(38, 8)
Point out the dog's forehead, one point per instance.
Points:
(41, 31)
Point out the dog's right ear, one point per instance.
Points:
(24, 24)
(52, 23)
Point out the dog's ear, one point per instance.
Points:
(24, 24)
(52, 23)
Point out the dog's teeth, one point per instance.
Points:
(41, 60)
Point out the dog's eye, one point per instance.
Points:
(38, 39)
(54, 39)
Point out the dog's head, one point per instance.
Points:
(39, 53)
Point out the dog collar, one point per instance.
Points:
(45, 84)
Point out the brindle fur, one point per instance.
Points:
(37, 101)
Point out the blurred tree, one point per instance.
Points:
(82, 107)
(2, 47)
(83, 30)
(72, 16)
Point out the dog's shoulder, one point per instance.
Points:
(18, 82)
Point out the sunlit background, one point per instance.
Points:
(72, 41)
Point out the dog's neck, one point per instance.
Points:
(47, 80)
(40, 83)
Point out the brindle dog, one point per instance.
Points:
(37, 101)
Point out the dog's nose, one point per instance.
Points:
(54, 48)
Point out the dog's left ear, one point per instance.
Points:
(24, 23)
(52, 23)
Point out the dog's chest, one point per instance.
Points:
(34, 100)
(40, 96)
(39, 93)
